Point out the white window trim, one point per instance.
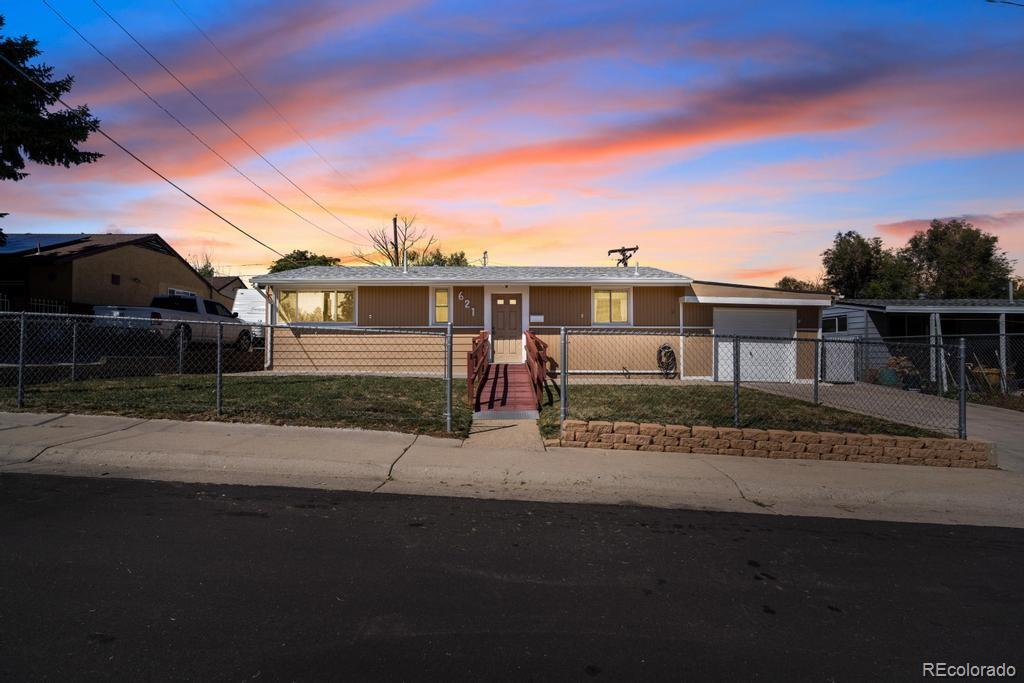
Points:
(433, 306)
(284, 290)
(629, 306)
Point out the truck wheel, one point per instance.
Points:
(244, 341)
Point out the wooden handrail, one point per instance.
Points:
(537, 364)
(477, 363)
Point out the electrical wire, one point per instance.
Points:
(262, 96)
(221, 119)
(127, 151)
(191, 132)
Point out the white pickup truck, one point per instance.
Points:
(188, 317)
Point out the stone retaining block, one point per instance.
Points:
(777, 443)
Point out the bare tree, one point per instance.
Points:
(389, 242)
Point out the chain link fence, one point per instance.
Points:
(660, 375)
(181, 368)
(994, 366)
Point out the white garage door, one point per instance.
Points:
(770, 358)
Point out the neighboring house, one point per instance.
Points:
(71, 273)
(901, 327)
(226, 286)
(921, 319)
(506, 301)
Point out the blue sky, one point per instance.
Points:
(729, 140)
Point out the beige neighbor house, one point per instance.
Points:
(506, 301)
(69, 273)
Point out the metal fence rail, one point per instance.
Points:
(189, 367)
(661, 375)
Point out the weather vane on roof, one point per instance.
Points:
(624, 254)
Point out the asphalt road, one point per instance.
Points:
(106, 578)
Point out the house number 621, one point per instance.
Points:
(466, 303)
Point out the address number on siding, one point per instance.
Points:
(467, 304)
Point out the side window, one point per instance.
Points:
(211, 307)
(828, 325)
(841, 323)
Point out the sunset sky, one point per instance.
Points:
(730, 141)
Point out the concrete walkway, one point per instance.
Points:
(217, 452)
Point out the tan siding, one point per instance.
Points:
(656, 306)
(144, 274)
(472, 315)
(698, 357)
(698, 315)
(808, 317)
(296, 350)
(393, 306)
(805, 355)
(568, 306)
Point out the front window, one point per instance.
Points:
(317, 307)
(441, 307)
(611, 306)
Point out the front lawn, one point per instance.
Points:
(406, 404)
(712, 405)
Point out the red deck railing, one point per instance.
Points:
(477, 363)
(537, 364)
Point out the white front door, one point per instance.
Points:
(769, 355)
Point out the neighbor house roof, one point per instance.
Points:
(314, 275)
(726, 293)
(70, 246)
(219, 282)
(936, 305)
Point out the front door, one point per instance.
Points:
(507, 327)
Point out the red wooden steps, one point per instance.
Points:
(506, 387)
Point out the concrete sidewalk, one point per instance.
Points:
(218, 452)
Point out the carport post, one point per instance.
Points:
(563, 378)
(21, 363)
(736, 381)
(449, 337)
(962, 426)
(817, 369)
(74, 348)
(220, 373)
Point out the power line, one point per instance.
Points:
(138, 159)
(221, 119)
(259, 92)
(189, 130)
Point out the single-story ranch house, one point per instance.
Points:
(507, 301)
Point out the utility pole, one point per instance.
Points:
(394, 230)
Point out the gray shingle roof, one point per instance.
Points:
(476, 274)
(930, 303)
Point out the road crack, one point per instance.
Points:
(739, 490)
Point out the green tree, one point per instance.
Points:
(851, 263)
(955, 260)
(28, 129)
(300, 258)
(439, 258)
(202, 265)
(797, 285)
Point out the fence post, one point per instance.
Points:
(449, 338)
(962, 423)
(817, 369)
(181, 348)
(220, 373)
(735, 381)
(21, 363)
(74, 349)
(563, 379)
